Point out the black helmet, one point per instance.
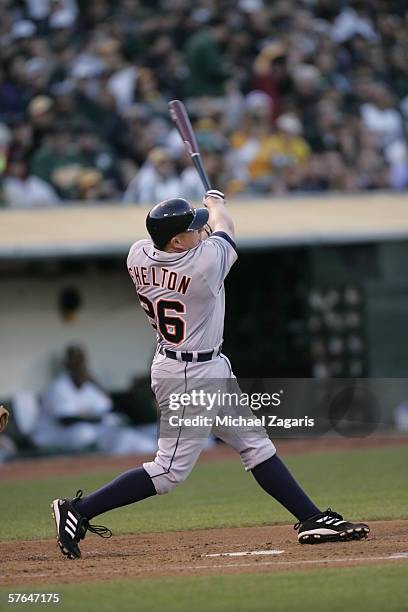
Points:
(171, 217)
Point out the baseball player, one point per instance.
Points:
(178, 276)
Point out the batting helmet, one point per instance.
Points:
(171, 217)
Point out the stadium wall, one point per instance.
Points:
(44, 251)
(33, 334)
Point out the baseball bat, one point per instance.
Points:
(179, 115)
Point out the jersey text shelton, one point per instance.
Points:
(160, 277)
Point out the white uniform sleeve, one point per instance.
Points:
(217, 256)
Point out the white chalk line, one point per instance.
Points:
(98, 571)
(394, 557)
(246, 553)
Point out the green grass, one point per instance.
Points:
(362, 484)
(357, 589)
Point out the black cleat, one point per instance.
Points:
(72, 527)
(329, 526)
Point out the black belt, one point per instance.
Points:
(187, 356)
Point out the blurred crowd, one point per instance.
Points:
(289, 96)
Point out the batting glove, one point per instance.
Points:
(214, 193)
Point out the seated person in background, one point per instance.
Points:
(77, 414)
(24, 190)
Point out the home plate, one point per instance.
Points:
(246, 553)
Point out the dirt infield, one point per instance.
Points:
(186, 553)
(254, 549)
(60, 466)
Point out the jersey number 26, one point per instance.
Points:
(172, 328)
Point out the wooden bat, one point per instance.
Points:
(179, 115)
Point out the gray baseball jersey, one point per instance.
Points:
(183, 293)
(183, 297)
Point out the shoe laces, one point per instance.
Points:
(332, 514)
(328, 512)
(100, 530)
(78, 496)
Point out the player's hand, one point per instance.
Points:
(213, 194)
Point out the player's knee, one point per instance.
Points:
(165, 483)
(258, 451)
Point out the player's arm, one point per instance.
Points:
(219, 218)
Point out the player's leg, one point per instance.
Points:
(174, 461)
(176, 457)
(180, 445)
(130, 487)
(72, 515)
(178, 450)
(258, 455)
(313, 526)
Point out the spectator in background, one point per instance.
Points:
(57, 161)
(380, 115)
(96, 154)
(142, 135)
(270, 75)
(313, 178)
(5, 140)
(353, 20)
(12, 95)
(247, 141)
(155, 181)
(147, 92)
(89, 186)
(77, 414)
(208, 70)
(283, 151)
(397, 158)
(24, 190)
(306, 84)
(42, 118)
(272, 158)
(22, 140)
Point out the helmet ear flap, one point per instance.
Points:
(161, 246)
